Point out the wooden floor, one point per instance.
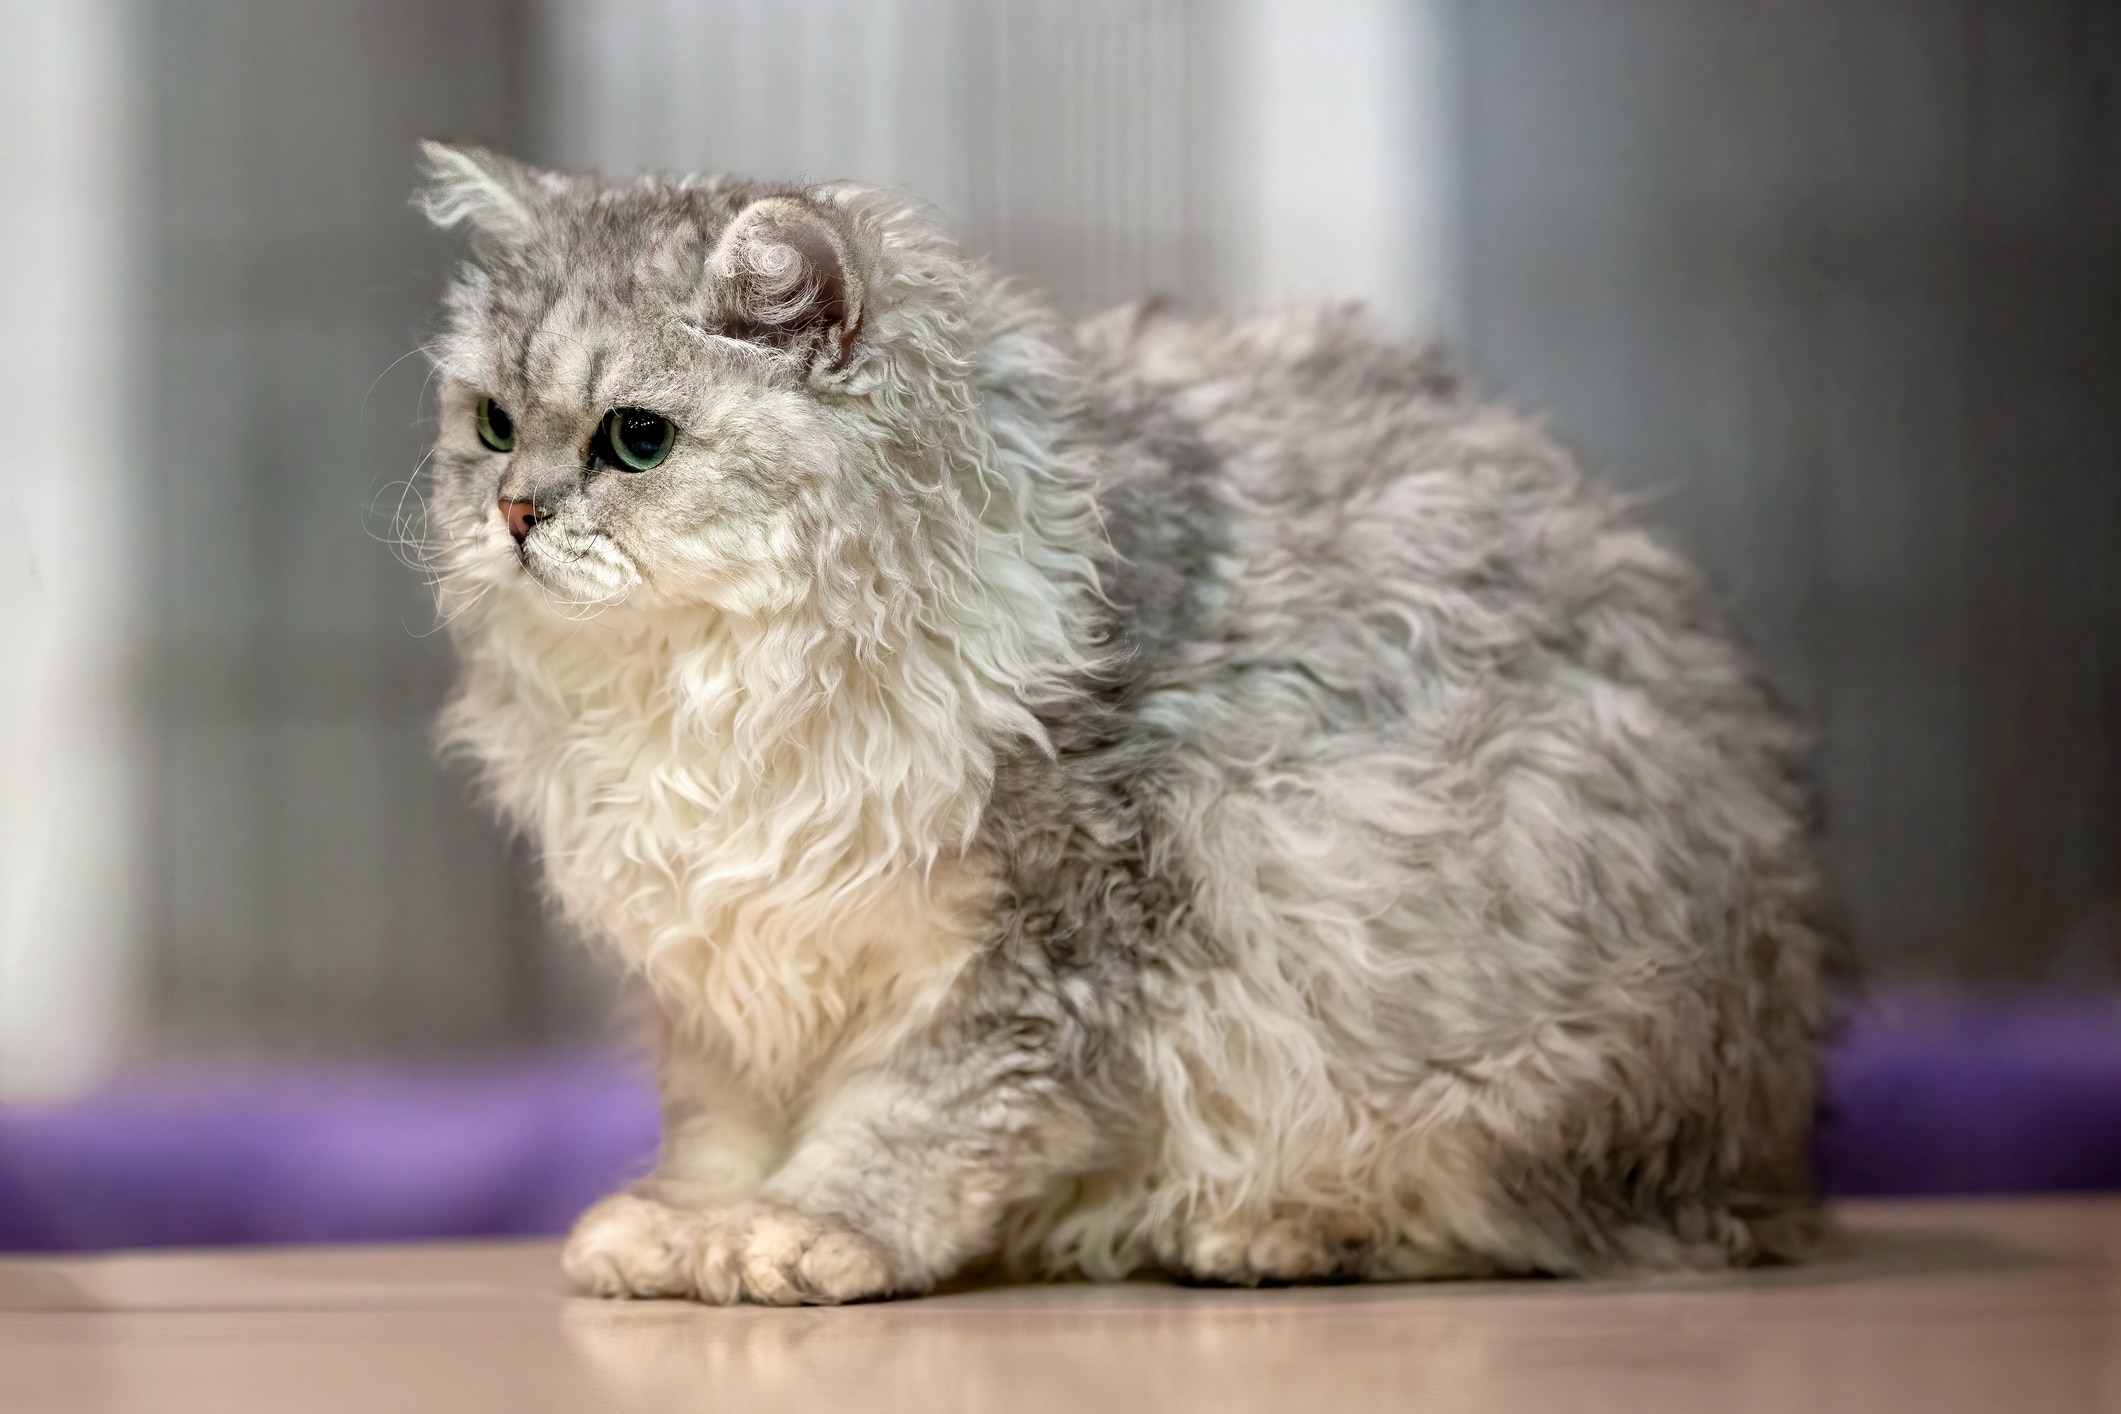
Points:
(2012, 1307)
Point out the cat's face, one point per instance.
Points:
(651, 392)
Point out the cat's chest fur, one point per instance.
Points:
(786, 870)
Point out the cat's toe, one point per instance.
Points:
(627, 1246)
(781, 1257)
(1274, 1251)
(844, 1266)
(1289, 1251)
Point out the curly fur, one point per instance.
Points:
(1212, 797)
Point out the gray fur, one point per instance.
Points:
(1371, 855)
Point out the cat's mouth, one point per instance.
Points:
(576, 569)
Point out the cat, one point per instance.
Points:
(1154, 795)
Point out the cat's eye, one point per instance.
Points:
(496, 429)
(635, 439)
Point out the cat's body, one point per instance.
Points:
(1158, 794)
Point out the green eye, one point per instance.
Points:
(635, 439)
(496, 430)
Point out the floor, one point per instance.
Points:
(2011, 1306)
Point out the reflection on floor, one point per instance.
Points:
(1935, 1307)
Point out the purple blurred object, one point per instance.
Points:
(1923, 1098)
(380, 1154)
(1936, 1096)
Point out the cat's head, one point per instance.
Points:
(704, 393)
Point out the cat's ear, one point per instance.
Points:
(789, 271)
(496, 196)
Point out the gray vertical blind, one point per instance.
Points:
(319, 882)
(1838, 288)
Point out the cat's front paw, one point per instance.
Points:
(781, 1257)
(633, 1246)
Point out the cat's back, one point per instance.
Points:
(1310, 385)
(1349, 505)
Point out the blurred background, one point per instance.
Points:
(1837, 286)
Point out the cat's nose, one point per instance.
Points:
(521, 516)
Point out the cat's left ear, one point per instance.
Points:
(791, 272)
(498, 197)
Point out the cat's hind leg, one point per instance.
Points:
(1280, 1247)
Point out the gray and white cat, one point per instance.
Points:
(1152, 794)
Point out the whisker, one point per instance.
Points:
(419, 348)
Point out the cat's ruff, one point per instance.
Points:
(1211, 797)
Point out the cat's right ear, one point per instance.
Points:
(496, 196)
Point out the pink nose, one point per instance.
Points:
(521, 516)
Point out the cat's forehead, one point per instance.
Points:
(616, 281)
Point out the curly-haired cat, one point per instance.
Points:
(1152, 794)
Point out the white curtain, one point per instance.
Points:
(69, 755)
